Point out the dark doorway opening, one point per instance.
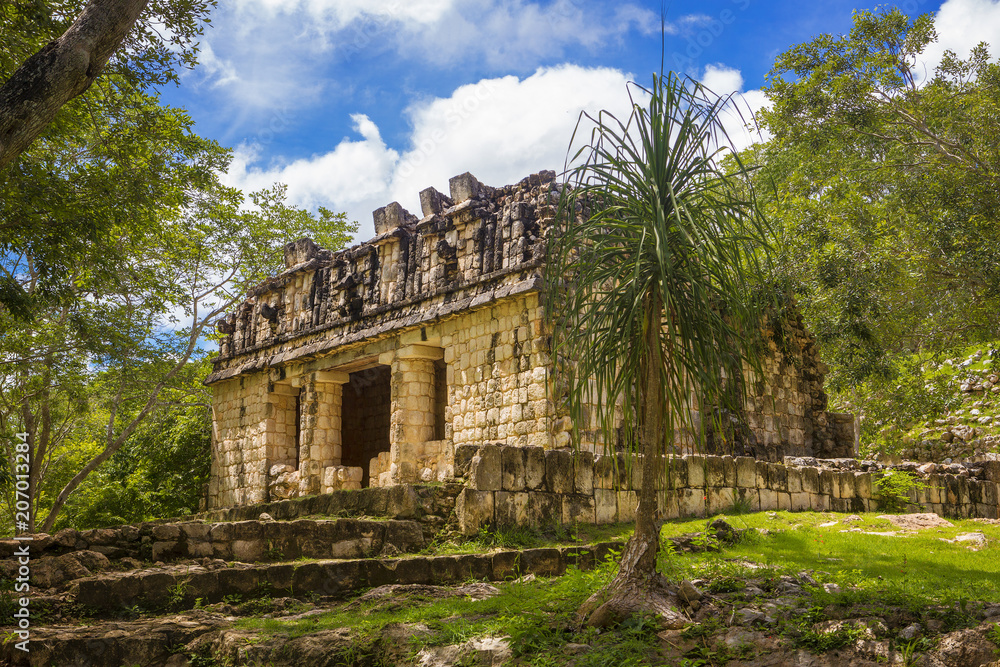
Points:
(365, 413)
(440, 397)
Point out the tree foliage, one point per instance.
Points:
(54, 52)
(884, 177)
(652, 266)
(110, 157)
(119, 248)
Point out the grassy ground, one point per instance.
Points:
(916, 571)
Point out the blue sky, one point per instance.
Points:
(356, 103)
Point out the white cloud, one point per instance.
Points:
(962, 24)
(353, 174)
(739, 116)
(270, 53)
(501, 130)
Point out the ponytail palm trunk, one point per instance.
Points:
(656, 255)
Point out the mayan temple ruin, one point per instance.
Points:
(374, 365)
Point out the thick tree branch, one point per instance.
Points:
(63, 69)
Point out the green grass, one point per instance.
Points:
(516, 537)
(918, 572)
(915, 565)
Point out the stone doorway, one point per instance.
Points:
(367, 406)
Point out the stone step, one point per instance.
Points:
(404, 501)
(179, 586)
(58, 560)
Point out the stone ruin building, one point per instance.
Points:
(371, 365)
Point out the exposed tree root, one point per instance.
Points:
(634, 590)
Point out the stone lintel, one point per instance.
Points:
(284, 389)
(419, 352)
(333, 377)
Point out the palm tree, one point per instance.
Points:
(652, 266)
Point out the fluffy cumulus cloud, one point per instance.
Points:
(353, 173)
(961, 24)
(499, 129)
(267, 53)
(738, 116)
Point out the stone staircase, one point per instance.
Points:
(281, 554)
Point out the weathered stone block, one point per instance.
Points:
(165, 533)
(432, 201)
(729, 471)
(249, 551)
(627, 502)
(463, 458)
(784, 501)
(543, 562)
(827, 483)
(512, 460)
(511, 508)
(934, 493)
(691, 502)
(794, 479)
(474, 510)
(605, 506)
(578, 508)
(166, 550)
(388, 218)
(604, 472)
(845, 481)
(810, 480)
(761, 481)
(678, 471)
(464, 187)
(768, 499)
(534, 468)
(715, 473)
(719, 499)
(668, 506)
(485, 472)
(559, 471)
(505, 565)
(696, 471)
(749, 497)
(544, 509)
(799, 501)
(583, 468)
(777, 477)
(746, 472)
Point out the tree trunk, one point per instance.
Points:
(61, 70)
(637, 587)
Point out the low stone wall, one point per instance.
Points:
(530, 486)
(153, 588)
(247, 541)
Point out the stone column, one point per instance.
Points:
(411, 423)
(319, 427)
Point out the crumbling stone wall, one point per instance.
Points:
(450, 306)
(531, 486)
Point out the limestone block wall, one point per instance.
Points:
(787, 410)
(240, 457)
(531, 486)
(497, 373)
